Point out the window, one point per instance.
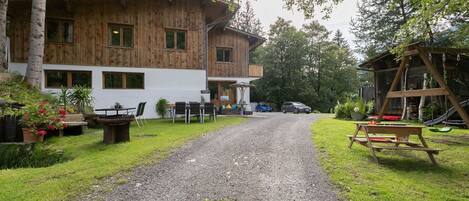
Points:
(118, 80)
(224, 54)
(176, 39)
(121, 35)
(59, 31)
(58, 78)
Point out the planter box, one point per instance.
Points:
(356, 116)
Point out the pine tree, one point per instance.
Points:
(246, 20)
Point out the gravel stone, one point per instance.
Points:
(270, 157)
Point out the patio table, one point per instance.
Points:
(391, 134)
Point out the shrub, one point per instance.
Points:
(42, 117)
(29, 155)
(343, 111)
(162, 107)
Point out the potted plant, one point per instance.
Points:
(82, 98)
(357, 115)
(38, 119)
(162, 107)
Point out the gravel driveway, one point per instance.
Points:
(270, 157)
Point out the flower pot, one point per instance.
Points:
(29, 137)
(356, 116)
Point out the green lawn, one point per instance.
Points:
(401, 175)
(92, 160)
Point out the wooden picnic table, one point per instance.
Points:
(391, 134)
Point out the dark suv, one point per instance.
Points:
(295, 107)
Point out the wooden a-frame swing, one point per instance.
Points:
(444, 90)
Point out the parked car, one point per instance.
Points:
(263, 108)
(295, 107)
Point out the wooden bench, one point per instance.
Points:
(73, 120)
(395, 135)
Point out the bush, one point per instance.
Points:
(27, 156)
(344, 111)
(162, 107)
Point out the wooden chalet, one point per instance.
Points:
(131, 51)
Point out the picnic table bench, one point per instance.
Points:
(376, 137)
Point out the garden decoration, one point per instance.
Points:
(40, 118)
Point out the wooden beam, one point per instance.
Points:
(418, 93)
(396, 80)
(440, 50)
(436, 75)
(411, 52)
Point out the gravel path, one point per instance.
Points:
(270, 157)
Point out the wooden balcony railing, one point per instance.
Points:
(256, 70)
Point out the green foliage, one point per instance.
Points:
(28, 156)
(305, 66)
(40, 117)
(344, 111)
(82, 98)
(162, 107)
(20, 92)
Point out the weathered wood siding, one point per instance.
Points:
(91, 47)
(239, 67)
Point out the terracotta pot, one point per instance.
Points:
(29, 138)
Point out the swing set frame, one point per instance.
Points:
(443, 90)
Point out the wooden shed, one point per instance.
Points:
(400, 81)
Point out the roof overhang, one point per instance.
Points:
(413, 50)
(254, 40)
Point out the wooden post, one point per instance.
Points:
(436, 75)
(396, 80)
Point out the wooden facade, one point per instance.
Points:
(91, 19)
(239, 66)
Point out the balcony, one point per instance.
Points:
(256, 71)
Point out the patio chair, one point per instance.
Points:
(139, 114)
(195, 110)
(209, 109)
(180, 109)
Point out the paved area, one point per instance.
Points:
(270, 157)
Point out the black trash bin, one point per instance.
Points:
(11, 129)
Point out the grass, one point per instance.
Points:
(92, 160)
(400, 175)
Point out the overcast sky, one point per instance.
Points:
(268, 11)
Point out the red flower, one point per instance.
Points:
(62, 112)
(42, 132)
(65, 126)
(42, 111)
(51, 127)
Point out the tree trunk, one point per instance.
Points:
(36, 43)
(3, 35)
(422, 99)
(404, 88)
